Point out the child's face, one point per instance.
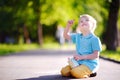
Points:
(84, 24)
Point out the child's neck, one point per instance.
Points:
(86, 33)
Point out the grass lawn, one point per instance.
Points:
(8, 49)
(111, 54)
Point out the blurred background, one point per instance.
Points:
(33, 24)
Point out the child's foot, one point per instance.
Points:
(93, 74)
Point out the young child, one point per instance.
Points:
(86, 59)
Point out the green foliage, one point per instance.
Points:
(17, 13)
(55, 12)
(61, 13)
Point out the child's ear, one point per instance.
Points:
(93, 27)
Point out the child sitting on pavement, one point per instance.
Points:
(88, 46)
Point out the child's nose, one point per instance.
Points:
(83, 21)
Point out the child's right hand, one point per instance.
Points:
(70, 22)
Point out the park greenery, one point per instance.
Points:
(24, 22)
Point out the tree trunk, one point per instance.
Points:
(111, 33)
(0, 39)
(37, 8)
(26, 35)
(40, 37)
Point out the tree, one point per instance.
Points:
(37, 4)
(12, 20)
(110, 36)
(30, 17)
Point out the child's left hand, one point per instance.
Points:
(78, 57)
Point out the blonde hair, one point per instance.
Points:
(91, 19)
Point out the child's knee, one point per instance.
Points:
(66, 71)
(81, 71)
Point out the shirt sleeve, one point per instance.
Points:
(73, 37)
(96, 44)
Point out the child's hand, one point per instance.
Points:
(70, 22)
(78, 57)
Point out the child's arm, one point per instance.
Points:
(94, 55)
(67, 29)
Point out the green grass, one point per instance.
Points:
(6, 49)
(111, 54)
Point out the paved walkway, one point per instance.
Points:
(46, 65)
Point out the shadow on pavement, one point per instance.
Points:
(48, 77)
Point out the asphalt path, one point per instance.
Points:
(43, 64)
